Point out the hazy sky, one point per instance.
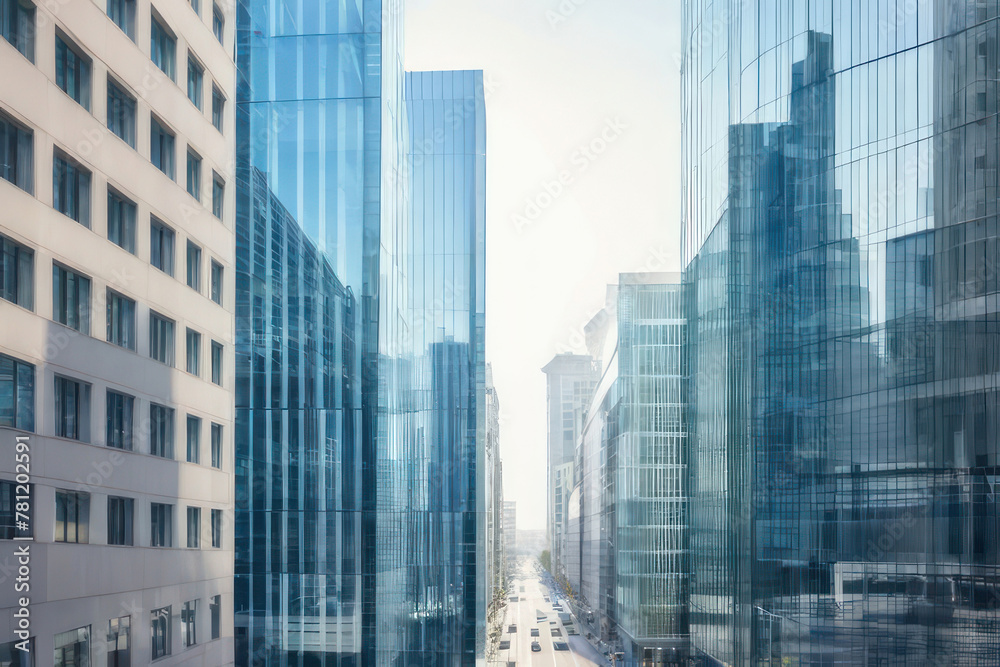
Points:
(585, 90)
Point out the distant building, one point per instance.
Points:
(510, 526)
(497, 545)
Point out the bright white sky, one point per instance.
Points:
(560, 73)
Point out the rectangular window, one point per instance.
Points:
(196, 6)
(161, 247)
(194, 175)
(193, 527)
(192, 345)
(121, 221)
(72, 517)
(160, 631)
(218, 106)
(121, 420)
(71, 299)
(122, 12)
(73, 72)
(196, 77)
(119, 642)
(216, 363)
(189, 623)
(163, 48)
(161, 431)
(17, 161)
(121, 113)
(120, 520)
(161, 148)
(194, 266)
(72, 649)
(218, 23)
(71, 189)
(17, 394)
(217, 446)
(121, 320)
(216, 529)
(72, 409)
(17, 273)
(193, 439)
(215, 611)
(17, 25)
(217, 282)
(218, 195)
(161, 518)
(11, 494)
(161, 339)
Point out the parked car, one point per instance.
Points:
(534, 632)
(556, 632)
(535, 647)
(560, 646)
(512, 628)
(505, 645)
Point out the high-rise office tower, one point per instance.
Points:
(570, 379)
(840, 206)
(360, 422)
(496, 527)
(116, 355)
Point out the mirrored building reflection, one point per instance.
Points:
(840, 236)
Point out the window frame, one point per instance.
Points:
(160, 632)
(16, 139)
(80, 430)
(195, 67)
(120, 436)
(121, 322)
(168, 354)
(73, 60)
(161, 441)
(71, 298)
(79, 503)
(193, 439)
(124, 229)
(21, 273)
(21, 413)
(164, 58)
(162, 255)
(121, 110)
(163, 148)
(121, 519)
(70, 172)
(161, 520)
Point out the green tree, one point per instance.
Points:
(545, 558)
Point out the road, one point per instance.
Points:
(531, 593)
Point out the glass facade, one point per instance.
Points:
(359, 345)
(840, 241)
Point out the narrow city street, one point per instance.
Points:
(526, 614)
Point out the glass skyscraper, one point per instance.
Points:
(841, 245)
(360, 362)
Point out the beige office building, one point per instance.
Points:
(116, 350)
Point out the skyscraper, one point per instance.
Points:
(840, 236)
(116, 355)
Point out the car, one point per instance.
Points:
(505, 645)
(512, 629)
(556, 632)
(535, 647)
(560, 646)
(534, 632)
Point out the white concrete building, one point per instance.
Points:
(116, 272)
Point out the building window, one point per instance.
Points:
(17, 153)
(196, 6)
(216, 363)
(193, 527)
(161, 339)
(17, 271)
(161, 148)
(121, 221)
(193, 439)
(72, 409)
(194, 266)
(72, 517)
(161, 431)
(160, 631)
(17, 24)
(17, 394)
(196, 77)
(119, 642)
(216, 529)
(161, 247)
(72, 649)
(121, 420)
(194, 175)
(121, 320)
(120, 520)
(215, 611)
(217, 446)
(121, 113)
(218, 23)
(163, 48)
(10, 495)
(71, 189)
(161, 517)
(71, 299)
(218, 195)
(216, 282)
(218, 106)
(122, 12)
(193, 350)
(73, 72)
(189, 622)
